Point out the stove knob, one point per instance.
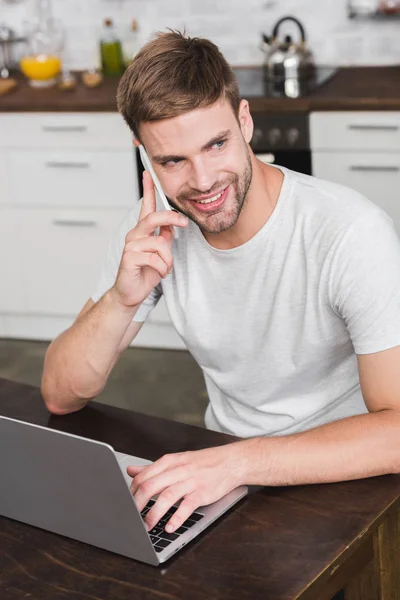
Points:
(257, 136)
(274, 135)
(292, 136)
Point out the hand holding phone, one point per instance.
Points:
(161, 197)
(147, 256)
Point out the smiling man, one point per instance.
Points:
(285, 289)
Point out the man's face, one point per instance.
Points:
(203, 162)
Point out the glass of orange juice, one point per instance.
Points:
(42, 63)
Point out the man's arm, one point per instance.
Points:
(351, 448)
(79, 361)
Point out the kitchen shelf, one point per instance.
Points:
(377, 16)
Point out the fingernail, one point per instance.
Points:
(183, 219)
(169, 528)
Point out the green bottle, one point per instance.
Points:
(112, 62)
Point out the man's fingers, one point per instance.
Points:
(186, 508)
(149, 196)
(162, 218)
(155, 244)
(151, 259)
(167, 234)
(166, 500)
(133, 470)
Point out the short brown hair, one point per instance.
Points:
(171, 75)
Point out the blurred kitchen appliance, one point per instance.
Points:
(285, 59)
(10, 49)
(283, 139)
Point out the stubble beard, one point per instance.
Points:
(224, 220)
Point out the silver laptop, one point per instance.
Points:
(79, 488)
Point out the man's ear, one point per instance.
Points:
(136, 142)
(245, 121)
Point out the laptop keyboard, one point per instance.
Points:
(161, 538)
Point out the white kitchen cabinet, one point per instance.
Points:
(5, 193)
(360, 150)
(71, 178)
(355, 130)
(66, 250)
(65, 130)
(66, 181)
(375, 175)
(13, 252)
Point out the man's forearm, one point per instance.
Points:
(79, 361)
(352, 448)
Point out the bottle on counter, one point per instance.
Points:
(112, 62)
(131, 44)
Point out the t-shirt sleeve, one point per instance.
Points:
(365, 282)
(111, 265)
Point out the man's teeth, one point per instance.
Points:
(213, 199)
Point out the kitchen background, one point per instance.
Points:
(233, 25)
(68, 171)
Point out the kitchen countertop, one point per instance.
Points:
(351, 88)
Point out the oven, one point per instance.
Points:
(283, 139)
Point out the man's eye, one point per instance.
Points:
(170, 163)
(220, 144)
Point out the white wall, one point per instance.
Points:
(235, 25)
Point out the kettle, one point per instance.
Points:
(287, 59)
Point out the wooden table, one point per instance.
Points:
(306, 542)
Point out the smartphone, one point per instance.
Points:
(161, 198)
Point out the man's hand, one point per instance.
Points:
(146, 258)
(197, 478)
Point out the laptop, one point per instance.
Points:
(79, 488)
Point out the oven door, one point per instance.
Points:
(296, 160)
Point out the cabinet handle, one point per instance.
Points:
(74, 223)
(64, 128)
(53, 164)
(374, 127)
(382, 169)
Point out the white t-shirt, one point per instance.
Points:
(275, 324)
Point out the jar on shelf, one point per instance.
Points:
(42, 63)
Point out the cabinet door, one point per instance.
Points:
(12, 297)
(65, 130)
(375, 175)
(72, 178)
(355, 130)
(5, 192)
(64, 252)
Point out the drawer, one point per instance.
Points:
(64, 130)
(359, 130)
(73, 178)
(375, 175)
(64, 251)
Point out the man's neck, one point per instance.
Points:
(258, 206)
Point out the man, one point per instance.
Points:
(285, 288)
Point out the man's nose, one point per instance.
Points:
(202, 176)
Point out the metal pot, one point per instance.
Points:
(287, 59)
(8, 50)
